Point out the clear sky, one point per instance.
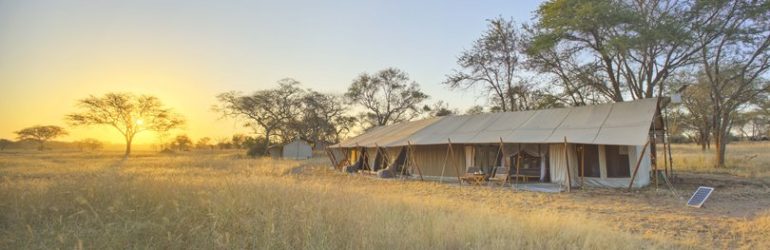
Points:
(185, 52)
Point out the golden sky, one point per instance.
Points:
(53, 53)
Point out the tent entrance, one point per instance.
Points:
(529, 167)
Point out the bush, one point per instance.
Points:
(256, 150)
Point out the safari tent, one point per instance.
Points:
(295, 150)
(606, 145)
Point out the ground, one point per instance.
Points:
(215, 199)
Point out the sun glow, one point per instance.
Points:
(139, 122)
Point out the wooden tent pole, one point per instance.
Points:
(378, 153)
(443, 167)
(638, 162)
(505, 166)
(582, 165)
(385, 156)
(665, 156)
(566, 159)
(406, 161)
(518, 163)
(452, 156)
(411, 151)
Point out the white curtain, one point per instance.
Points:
(559, 163)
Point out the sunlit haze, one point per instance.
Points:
(53, 53)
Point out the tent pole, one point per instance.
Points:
(411, 151)
(654, 158)
(504, 161)
(638, 161)
(566, 159)
(518, 164)
(385, 156)
(443, 167)
(665, 155)
(494, 168)
(452, 156)
(406, 162)
(582, 165)
(542, 162)
(377, 153)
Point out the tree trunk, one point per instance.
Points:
(128, 147)
(40, 147)
(267, 141)
(720, 141)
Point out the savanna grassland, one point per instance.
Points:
(219, 200)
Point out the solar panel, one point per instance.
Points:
(700, 196)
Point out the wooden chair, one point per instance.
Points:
(501, 175)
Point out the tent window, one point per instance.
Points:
(617, 161)
(590, 158)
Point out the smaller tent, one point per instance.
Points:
(295, 150)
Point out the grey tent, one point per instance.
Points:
(295, 150)
(597, 145)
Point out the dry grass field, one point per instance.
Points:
(220, 200)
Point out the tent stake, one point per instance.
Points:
(638, 161)
(566, 158)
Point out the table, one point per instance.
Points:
(474, 179)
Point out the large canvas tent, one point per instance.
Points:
(598, 145)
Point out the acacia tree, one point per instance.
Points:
(182, 143)
(323, 118)
(698, 107)
(735, 62)
(617, 49)
(40, 134)
(388, 96)
(127, 113)
(266, 111)
(492, 62)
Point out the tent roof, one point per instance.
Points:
(622, 123)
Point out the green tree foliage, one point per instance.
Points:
(493, 62)
(128, 113)
(40, 134)
(614, 49)
(735, 62)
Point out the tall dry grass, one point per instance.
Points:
(216, 201)
(744, 159)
